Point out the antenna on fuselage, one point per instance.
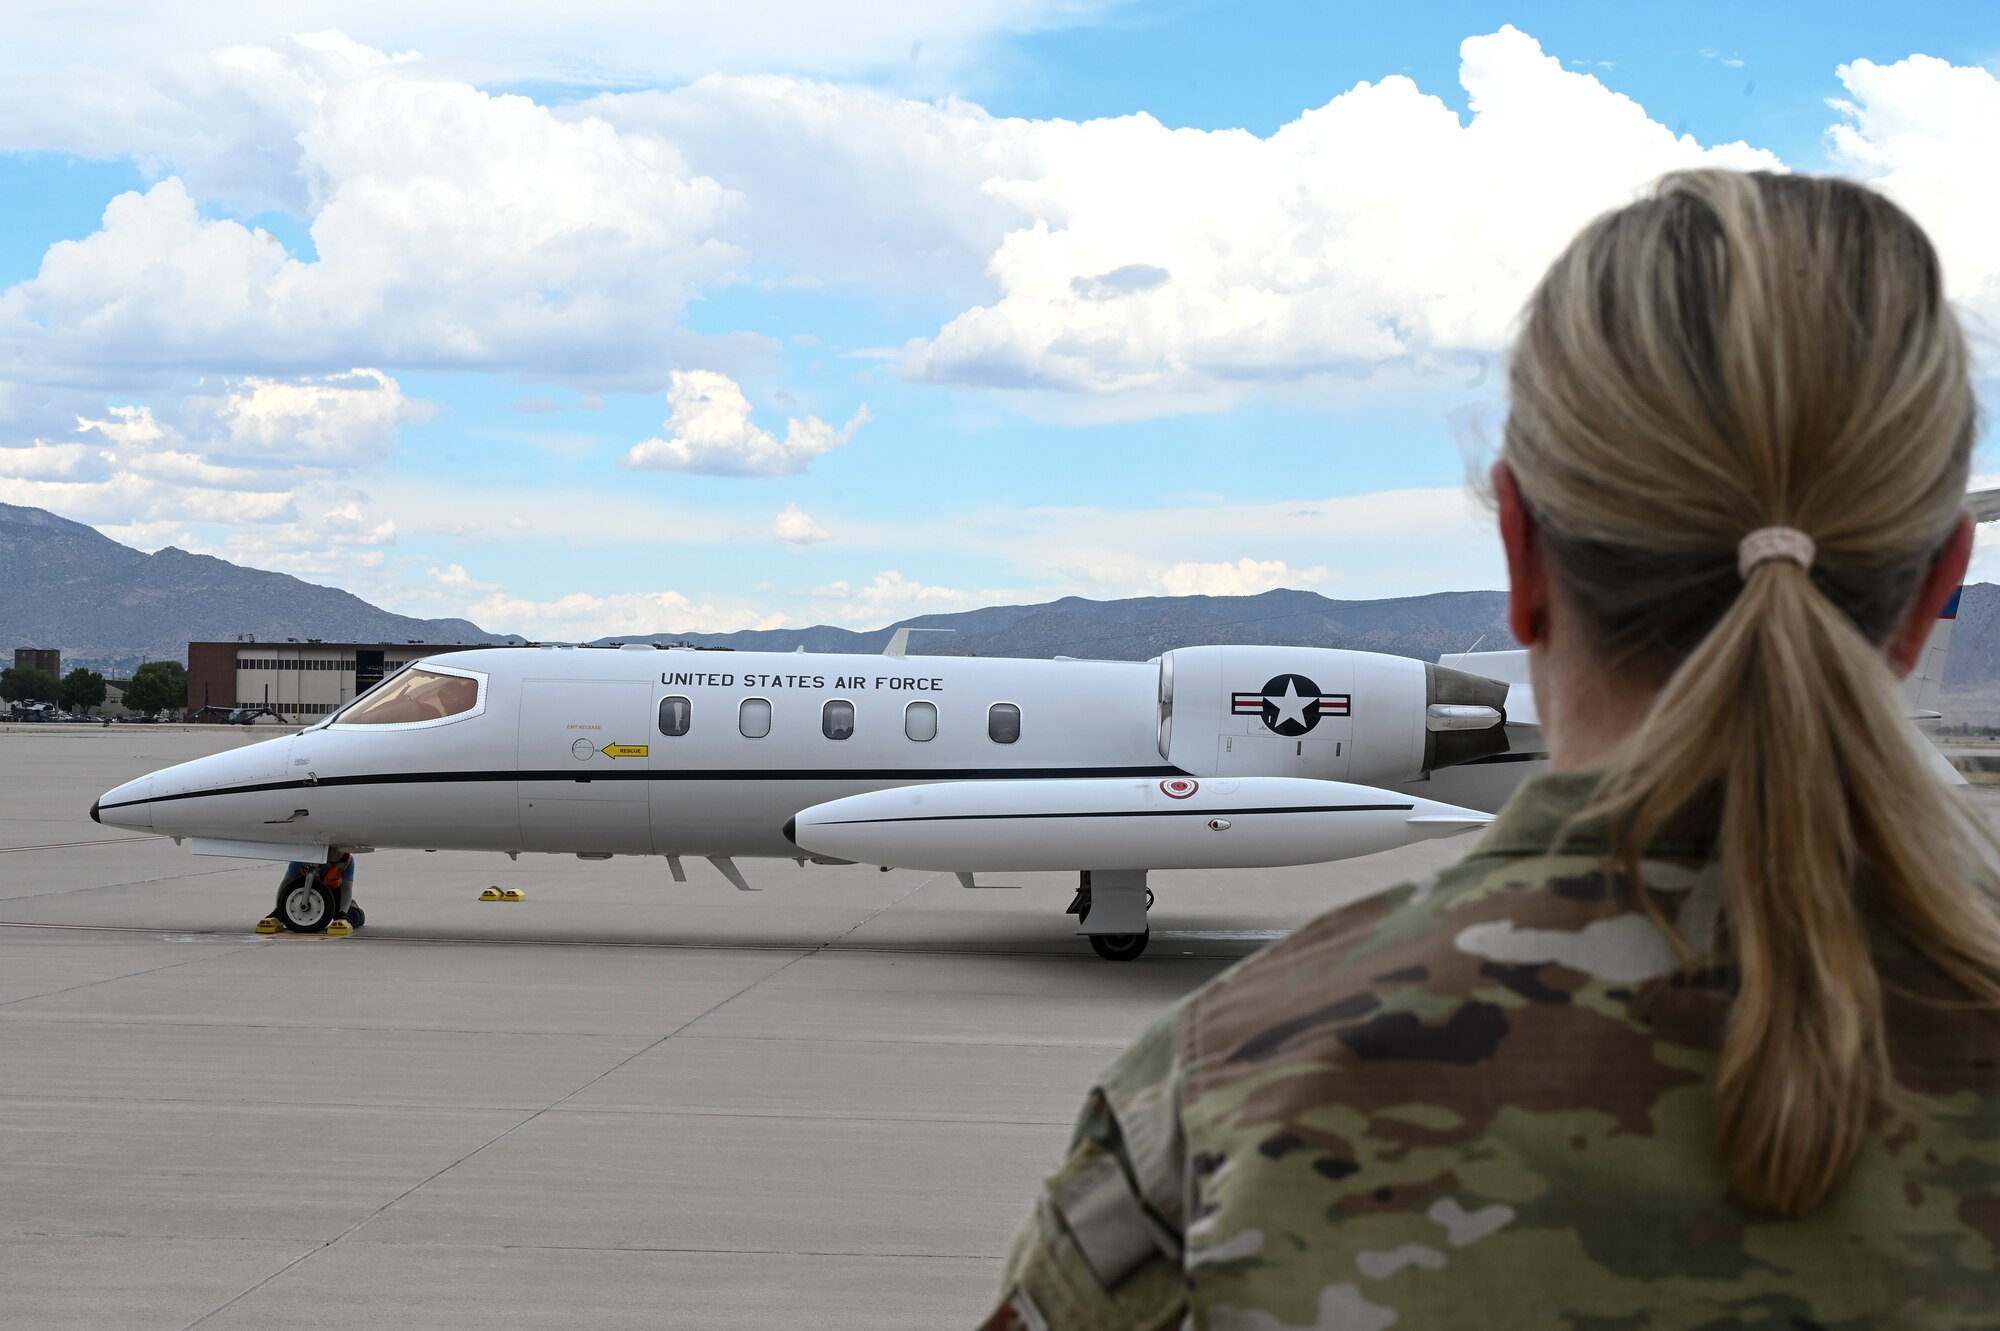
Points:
(899, 641)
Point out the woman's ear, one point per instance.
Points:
(1947, 574)
(1527, 574)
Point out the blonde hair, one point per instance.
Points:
(1738, 351)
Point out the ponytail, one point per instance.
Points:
(1738, 351)
(1827, 827)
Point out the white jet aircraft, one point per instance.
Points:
(1204, 758)
(1207, 757)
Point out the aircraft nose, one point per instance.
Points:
(128, 806)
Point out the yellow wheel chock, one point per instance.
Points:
(269, 925)
(490, 894)
(339, 929)
(513, 894)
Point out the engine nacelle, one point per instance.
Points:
(1323, 713)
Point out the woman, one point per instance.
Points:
(1706, 1030)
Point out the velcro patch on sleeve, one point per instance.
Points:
(1106, 1221)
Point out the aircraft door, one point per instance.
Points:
(584, 747)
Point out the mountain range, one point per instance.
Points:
(109, 606)
(1145, 626)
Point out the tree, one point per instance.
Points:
(25, 684)
(157, 686)
(82, 690)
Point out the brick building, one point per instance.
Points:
(39, 658)
(300, 679)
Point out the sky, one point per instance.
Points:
(614, 318)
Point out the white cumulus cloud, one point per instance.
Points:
(580, 616)
(326, 422)
(1927, 133)
(1241, 577)
(230, 452)
(1111, 259)
(454, 577)
(889, 597)
(710, 429)
(1377, 229)
(452, 227)
(797, 526)
(88, 78)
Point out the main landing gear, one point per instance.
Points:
(1110, 907)
(312, 896)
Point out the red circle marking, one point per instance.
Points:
(1179, 788)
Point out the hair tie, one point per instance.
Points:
(1768, 543)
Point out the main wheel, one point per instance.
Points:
(305, 907)
(1120, 947)
(356, 916)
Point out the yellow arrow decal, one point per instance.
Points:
(624, 750)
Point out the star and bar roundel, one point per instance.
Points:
(1290, 704)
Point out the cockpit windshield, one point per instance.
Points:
(414, 695)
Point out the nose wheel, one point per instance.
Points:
(311, 897)
(304, 906)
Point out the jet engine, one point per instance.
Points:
(1323, 713)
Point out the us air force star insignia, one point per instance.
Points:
(1291, 705)
(1289, 708)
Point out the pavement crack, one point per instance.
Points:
(129, 975)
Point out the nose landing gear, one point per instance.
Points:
(312, 896)
(1110, 908)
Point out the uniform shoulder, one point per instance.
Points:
(1441, 963)
(1312, 972)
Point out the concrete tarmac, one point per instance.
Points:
(624, 1102)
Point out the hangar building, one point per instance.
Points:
(298, 678)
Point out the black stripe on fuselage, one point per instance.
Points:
(1132, 813)
(911, 774)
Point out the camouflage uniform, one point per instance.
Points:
(1483, 1102)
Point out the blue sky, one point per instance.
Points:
(779, 313)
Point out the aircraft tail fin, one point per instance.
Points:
(1921, 689)
(1922, 686)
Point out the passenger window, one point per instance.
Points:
(753, 718)
(836, 719)
(675, 713)
(920, 721)
(1003, 723)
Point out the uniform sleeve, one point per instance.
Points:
(1102, 1248)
